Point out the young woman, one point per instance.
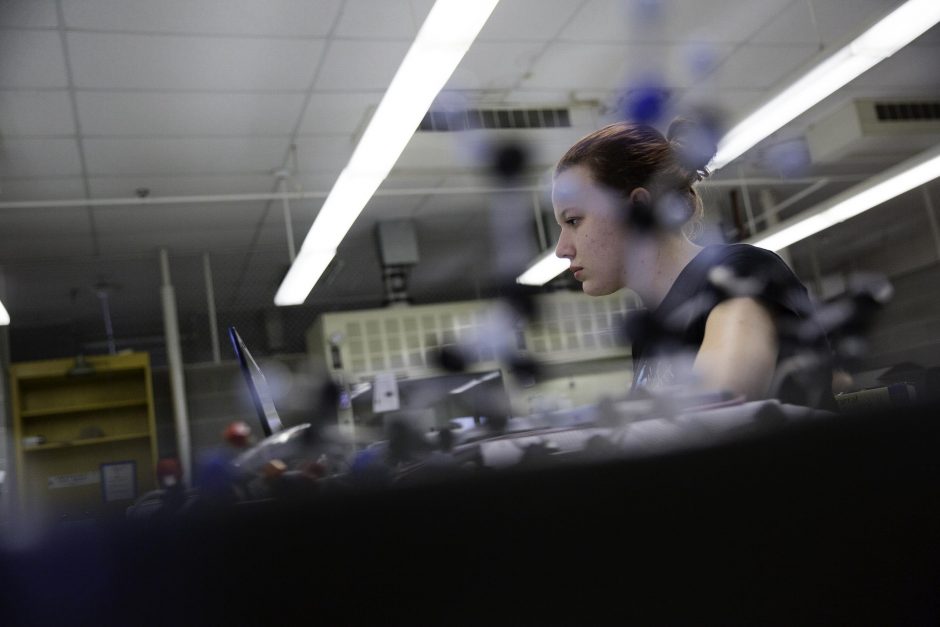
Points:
(724, 317)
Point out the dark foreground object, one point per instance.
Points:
(833, 522)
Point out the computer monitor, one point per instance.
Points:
(257, 385)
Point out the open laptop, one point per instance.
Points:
(260, 392)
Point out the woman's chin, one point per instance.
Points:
(593, 289)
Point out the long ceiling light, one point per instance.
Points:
(890, 34)
(887, 36)
(443, 40)
(543, 270)
(4, 316)
(903, 177)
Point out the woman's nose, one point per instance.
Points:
(563, 249)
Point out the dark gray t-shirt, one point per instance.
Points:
(676, 327)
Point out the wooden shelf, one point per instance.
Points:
(114, 402)
(76, 409)
(86, 442)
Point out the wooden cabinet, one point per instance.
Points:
(84, 436)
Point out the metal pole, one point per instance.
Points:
(210, 304)
(175, 364)
(288, 223)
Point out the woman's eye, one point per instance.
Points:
(573, 221)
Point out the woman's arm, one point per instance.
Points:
(739, 351)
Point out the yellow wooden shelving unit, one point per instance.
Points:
(85, 438)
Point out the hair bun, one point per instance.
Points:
(694, 145)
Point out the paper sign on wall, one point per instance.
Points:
(385, 393)
(119, 481)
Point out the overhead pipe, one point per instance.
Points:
(414, 191)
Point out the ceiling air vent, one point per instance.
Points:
(867, 129)
(907, 111)
(446, 121)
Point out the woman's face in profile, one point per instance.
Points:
(592, 231)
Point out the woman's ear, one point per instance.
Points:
(640, 214)
(641, 195)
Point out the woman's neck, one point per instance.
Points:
(654, 265)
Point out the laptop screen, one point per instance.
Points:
(260, 392)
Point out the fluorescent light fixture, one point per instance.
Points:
(903, 177)
(441, 43)
(310, 262)
(4, 316)
(543, 269)
(879, 42)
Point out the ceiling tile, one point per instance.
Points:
(383, 19)
(339, 113)
(168, 220)
(359, 65)
(125, 187)
(756, 67)
(176, 242)
(35, 113)
(328, 153)
(715, 21)
(836, 23)
(31, 59)
(494, 65)
(610, 66)
(211, 155)
(29, 13)
(731, 104)
(15, 248)
(41, 189)
(543, 19)
(169, 62)
(405, 181)
(904, 70)
(278, 18)
(41, 222)
(40, 157)
(320, 182)
(108, 113)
